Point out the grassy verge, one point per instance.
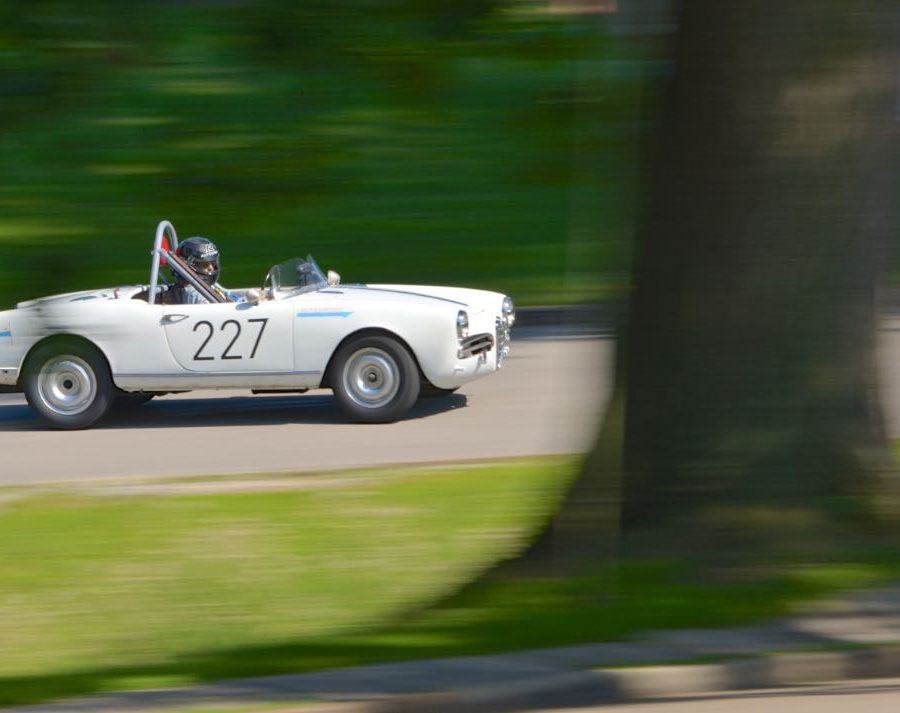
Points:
(101, 591)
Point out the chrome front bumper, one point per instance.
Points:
(503, 331)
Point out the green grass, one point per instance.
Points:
(106, 591)
(100, 591)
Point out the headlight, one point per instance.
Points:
(509, 311)
(462, 324)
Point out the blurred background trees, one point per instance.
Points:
(429, 141)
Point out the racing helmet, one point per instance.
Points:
(202, 256)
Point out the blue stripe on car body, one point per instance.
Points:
(324, 314)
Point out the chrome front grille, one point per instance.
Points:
(474, 345)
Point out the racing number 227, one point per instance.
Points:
(226, 327)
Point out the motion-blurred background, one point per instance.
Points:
(474, 142)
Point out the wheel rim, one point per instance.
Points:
(371, 378)
(67, 385)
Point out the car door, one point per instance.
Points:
(240, 338)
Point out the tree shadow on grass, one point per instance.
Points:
(482, 618)
(319, 657)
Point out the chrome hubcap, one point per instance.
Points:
(371, 377)
(67, 385)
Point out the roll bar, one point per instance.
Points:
(164, 254)
(160, 253)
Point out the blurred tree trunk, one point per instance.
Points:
(746, 372)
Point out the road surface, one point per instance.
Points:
(547, 399)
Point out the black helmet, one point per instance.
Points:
(202, 256)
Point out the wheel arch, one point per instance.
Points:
(56, 339)
(368, 332)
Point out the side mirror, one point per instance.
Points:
(252, 295)
(334, 278)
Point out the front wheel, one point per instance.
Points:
(375, 379)
(67, 385)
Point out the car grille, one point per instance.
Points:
(474, 345)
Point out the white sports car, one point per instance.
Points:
(376, 346)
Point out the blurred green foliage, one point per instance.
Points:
(470, 142)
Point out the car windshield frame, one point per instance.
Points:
(294, 277)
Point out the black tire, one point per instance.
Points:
(68, 385)
(374, 379)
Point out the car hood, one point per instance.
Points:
(464, 297)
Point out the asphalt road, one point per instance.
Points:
(547, 399)
(875, 696)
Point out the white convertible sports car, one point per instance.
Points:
(376, 346)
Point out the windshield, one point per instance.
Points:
(294, 277)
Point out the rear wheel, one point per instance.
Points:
(375, 379)
(67, 384)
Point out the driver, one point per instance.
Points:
(202, 257)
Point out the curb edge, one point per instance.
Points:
(624, 685)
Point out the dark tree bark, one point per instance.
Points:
(746, 374)
(752, 326)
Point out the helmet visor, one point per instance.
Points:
(207, 270)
